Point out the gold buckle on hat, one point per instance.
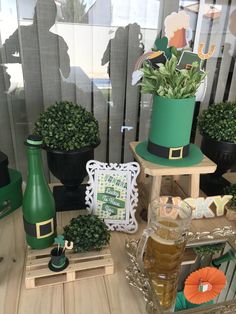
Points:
(42, 223)
(180, 149)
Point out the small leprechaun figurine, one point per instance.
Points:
(58, 260)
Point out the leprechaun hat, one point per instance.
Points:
(169, 135)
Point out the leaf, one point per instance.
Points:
(59, 240)
(175, 83)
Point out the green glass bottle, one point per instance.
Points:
(38, 203)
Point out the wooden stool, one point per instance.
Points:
(157, 171)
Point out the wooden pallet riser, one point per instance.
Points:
(81, 265)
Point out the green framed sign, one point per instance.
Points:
(112, 193)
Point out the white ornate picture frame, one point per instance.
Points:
(112, 194)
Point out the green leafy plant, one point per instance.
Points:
(67, 126)
(218, 122)
(169, 82)
(231, 190)
(88, 232)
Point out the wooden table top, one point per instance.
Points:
(102, 295)
(205, 166)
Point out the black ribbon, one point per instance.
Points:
(165, 152)
(30, 229)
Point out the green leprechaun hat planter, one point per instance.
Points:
(169, 134)
(174, 83)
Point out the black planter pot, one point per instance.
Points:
(224, 155)
(4, 173)
(70, 169)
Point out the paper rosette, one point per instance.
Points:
(204, 285)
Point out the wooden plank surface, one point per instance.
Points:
(102, 295)
(86, 297)
(120, 294)
(115, 57)
(13, 117)
(12, 255)
(228, 53)
(135, 50)
(93, 295)
(48, 49)
(212, 33)
(44, 59)
(45, 272)
(46, 300)
(100, 91)
(214, 36)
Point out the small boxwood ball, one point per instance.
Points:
(88, 232)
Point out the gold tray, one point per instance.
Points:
(139, 280)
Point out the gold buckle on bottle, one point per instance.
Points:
(180, 149)
(42, 223)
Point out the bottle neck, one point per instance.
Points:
(35, 165)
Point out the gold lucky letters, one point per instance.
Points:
(201, 206)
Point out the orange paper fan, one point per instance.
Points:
(204, 285)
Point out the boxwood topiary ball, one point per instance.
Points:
(218, 122)
(88, 232)
(66, 126)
